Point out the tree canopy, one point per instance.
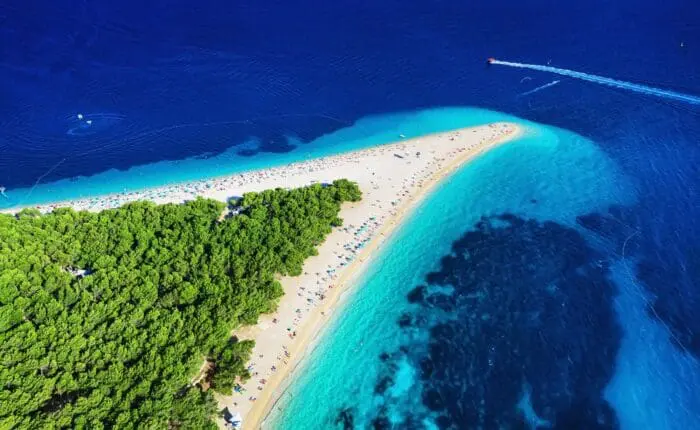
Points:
(106, 317)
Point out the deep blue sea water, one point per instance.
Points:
(572, 304)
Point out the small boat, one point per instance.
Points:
(490, 61)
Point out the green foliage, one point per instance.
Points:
(193, 409)
(347, 191)
(117, 345)
(230, 362)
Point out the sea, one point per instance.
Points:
(551, 283)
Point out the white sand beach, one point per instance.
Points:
(393, 179)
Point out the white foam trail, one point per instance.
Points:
(540, 88)
(643, 89)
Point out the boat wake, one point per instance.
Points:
(638, 88)
(540, 88)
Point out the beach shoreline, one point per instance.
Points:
(394, 178)
(310, 328)
(180, 192)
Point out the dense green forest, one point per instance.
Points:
(106, 317)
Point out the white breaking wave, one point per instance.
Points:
(642, 89)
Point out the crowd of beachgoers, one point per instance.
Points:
(222, 188)
(391, 178)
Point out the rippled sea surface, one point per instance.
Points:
(552, 283)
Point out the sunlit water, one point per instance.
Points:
(591, 319)
(533, 321)
(365, 133)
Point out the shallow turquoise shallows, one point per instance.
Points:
(547, 175)
(364, 133)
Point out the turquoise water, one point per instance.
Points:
(366, 132)
(241, 87)
(369, 368)
(364, 370)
